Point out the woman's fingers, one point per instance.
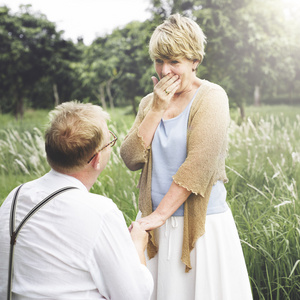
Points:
(154, 220)
(154, 80)
(170, 80)
(169, 84)
(164, 90)
(172, 85)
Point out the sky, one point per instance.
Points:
(86, 18)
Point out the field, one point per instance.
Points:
(263, 167)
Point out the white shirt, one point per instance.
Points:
(75, 247)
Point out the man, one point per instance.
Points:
(77, 246)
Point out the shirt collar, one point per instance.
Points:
(67, 179)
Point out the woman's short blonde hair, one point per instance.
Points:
(74, 135)
(177, 37)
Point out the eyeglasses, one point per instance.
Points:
(111, 143)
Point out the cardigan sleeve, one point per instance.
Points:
(133, 150)
(206, 141)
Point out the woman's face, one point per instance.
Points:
(181, 67)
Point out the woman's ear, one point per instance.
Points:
(196, 63)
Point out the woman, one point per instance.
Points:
(179, 140)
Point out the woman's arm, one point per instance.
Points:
(160, 103)
(134, 149)
(168, 205)
(148, 126)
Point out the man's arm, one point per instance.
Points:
(115, 264)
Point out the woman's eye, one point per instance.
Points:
(158, 61)
(174, 62)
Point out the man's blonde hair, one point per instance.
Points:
(177, 37)
(74, 135)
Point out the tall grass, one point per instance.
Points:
(263, 168)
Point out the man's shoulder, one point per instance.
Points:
(101, 201)
(97, 204)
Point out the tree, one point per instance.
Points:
(252, 50)
(114, 66)
(134, 61)
(292, 26)
(31, 49)
(98, 70)
(246, 43)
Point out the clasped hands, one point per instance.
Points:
(153, 221)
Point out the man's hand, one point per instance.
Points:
(140, 239)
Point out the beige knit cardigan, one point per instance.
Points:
(204, 165)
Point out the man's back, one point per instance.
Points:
(76, 247)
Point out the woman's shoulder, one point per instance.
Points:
(209, 90)
(207, 86)
(209, 94)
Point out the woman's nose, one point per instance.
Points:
(166, 69)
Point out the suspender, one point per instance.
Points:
(14, 233)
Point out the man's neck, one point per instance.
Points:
(85, 177)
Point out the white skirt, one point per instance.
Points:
(218, 266)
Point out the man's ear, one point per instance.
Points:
(96, 161)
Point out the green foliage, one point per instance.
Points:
(32, 53)
(248, 46)
(263, 167)
(119, 65)
(253, 45)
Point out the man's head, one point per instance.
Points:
(75, 133)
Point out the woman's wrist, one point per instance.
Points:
(148, 126)
(156, 112)
(161, 214)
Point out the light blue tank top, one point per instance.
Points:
(168, 154)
